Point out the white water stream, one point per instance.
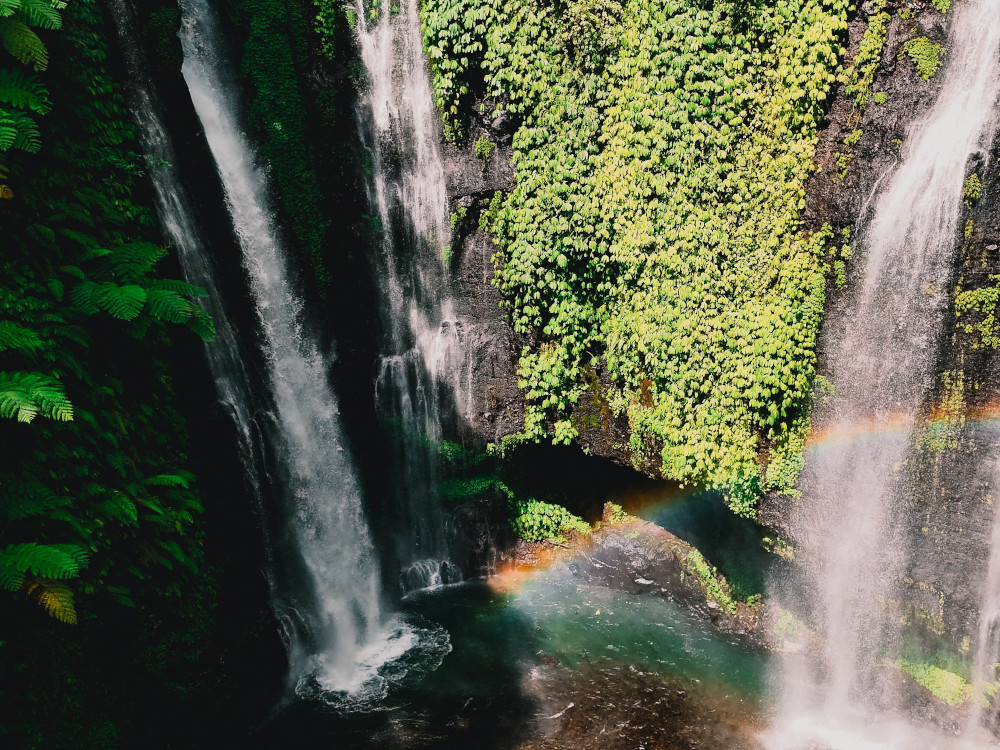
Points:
(882, 345)
(424, 374)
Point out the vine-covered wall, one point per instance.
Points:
(661, 153)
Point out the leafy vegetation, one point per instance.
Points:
(98, 481)
(926, 55)
(984, 302)
(946, 686)
(273, 55)
(661, 158)
(715, 588)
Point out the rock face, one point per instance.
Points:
(497, 403)
(952, 470)
(952, 482)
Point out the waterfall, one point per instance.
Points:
(342, 647)
(987, 649)
(422, 383)
(881, 344)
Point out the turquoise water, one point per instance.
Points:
(480, 694)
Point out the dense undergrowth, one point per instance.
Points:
(100, 520)
(661, 156)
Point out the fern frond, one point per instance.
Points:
(18, 130)
(84, 295)
(175, 285)
(55, 597)
(23, 91)
(11, 578)
(45, 560)
(17, 337)
(134, 260)
(201, 323)
(17, 38)
(41, 13)
(180, 479)
(168, 306)
(123, 302)
(9, 7)
(24, 395)
(5, 192)
(120, 507)
(20, 500)
(83, 238)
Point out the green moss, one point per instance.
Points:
(880, 97)
(484, 149)
(945, 426)
(861, 74)
(984, 302)
(715, 587)
(973, 190)
(926, 55)
(946, 686)
(942, 5)
(274, 50)
(786, 624)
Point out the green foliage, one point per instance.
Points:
(861, 75)
(25, 395)
(654, 221)
(23, 95)
(942, 5)
(484, 149)
(614, 513)
(535, 521)
(714, 585)
(275, 56)
(973, 190)
(926, 55)
(946, 686)
(77, 291)
(945, 425)
(984, 302)
(880, 97)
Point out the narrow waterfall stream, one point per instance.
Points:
(422, 382)
(881, 343)
(339, 639)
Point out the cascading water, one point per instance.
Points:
(422, 381)
(340, 644)
(881, 343)
(987, 647)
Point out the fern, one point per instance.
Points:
(55, 597)
(45, 560)
(181, 479)
(9, 7)
(120, 507)
(41, 13)
(201, 323)
(18, 130)
(25, 395)
(174, 285)
(19, 500)
(123, 302)
(169, 306)
(23, 91)
(133, 261)
(18, 338)
(17, 38)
